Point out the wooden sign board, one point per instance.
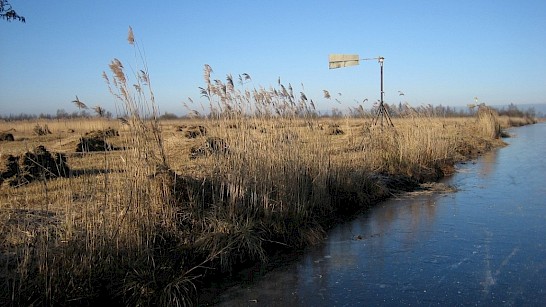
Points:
(342, 60)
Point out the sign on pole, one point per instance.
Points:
(342, 60)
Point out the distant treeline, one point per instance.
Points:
(395, 110)
(61, 114)
(402, 110)
(406, 110)
(513, 111)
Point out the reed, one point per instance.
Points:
(488, 122)
(120, 223)
(149, 223)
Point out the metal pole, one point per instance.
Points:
(382, 112)
(381, 64)
(381, 103)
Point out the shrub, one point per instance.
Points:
(488, 120)
(39, 130)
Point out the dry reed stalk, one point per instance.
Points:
(488, 122)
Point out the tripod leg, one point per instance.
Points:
(388, 116)
(379, 115)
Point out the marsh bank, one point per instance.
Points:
(482, 245)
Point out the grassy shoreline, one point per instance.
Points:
(152, 222)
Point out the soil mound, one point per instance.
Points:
(191, 132)
(88, 144)
(102, 133)
(6, 136)
(335, 131)
(212, 145)
(96, 140)
(39, 164)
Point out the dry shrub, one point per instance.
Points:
(488, 121)
(234, 239)
(41, 130)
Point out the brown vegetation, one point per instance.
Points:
(211, 145)
(109, 132)
(41, 130)
(272, 191)
(148, 224)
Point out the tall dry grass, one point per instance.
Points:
(144, 225)
(488, 122)
(58, 126)
(105, 234)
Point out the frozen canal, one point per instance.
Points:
(484, 245)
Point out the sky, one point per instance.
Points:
(436, 52)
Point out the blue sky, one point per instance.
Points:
(437, 52)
